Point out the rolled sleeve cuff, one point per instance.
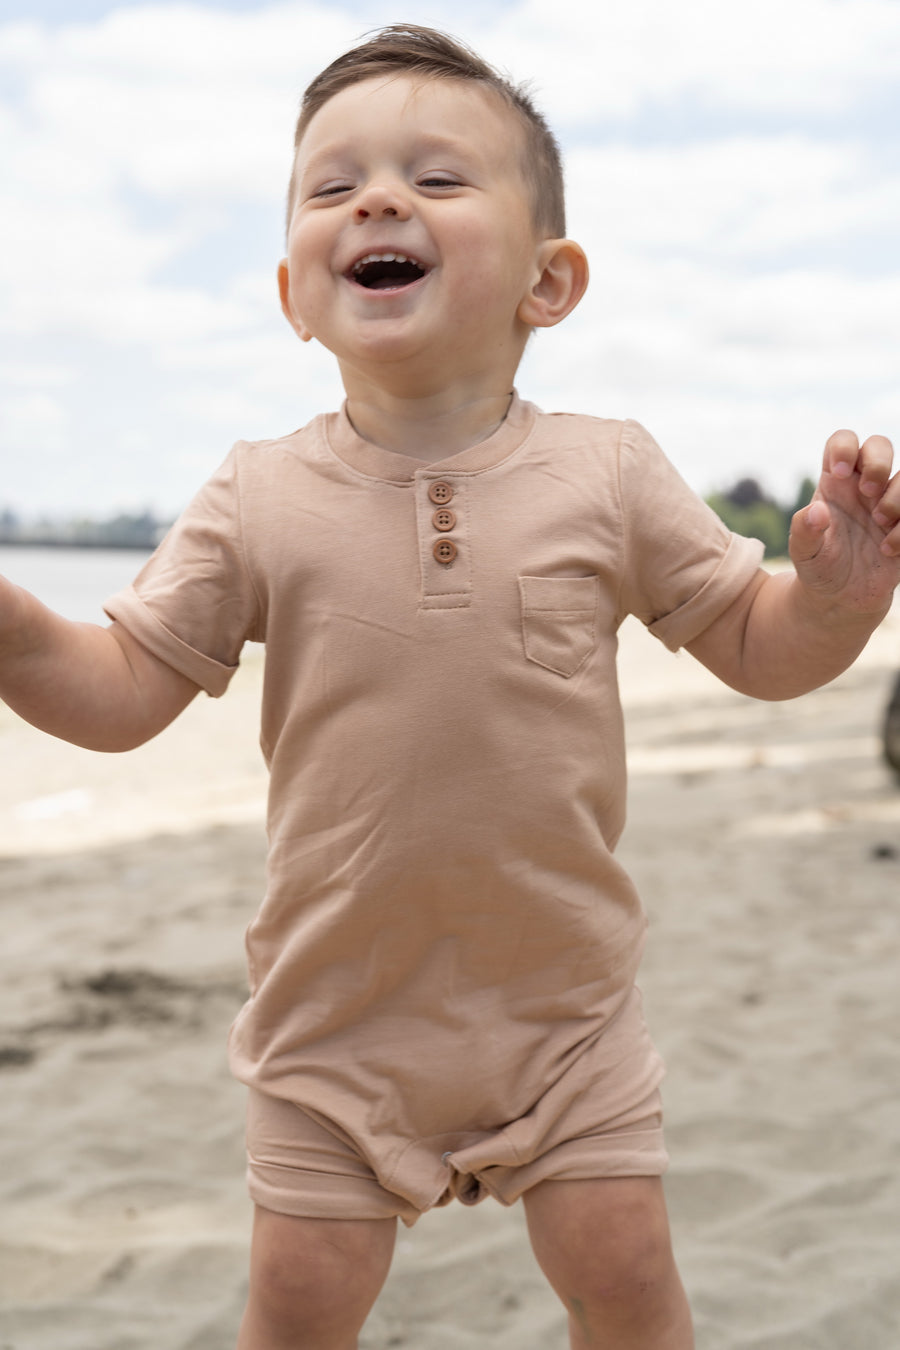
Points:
(738, 567)
(129, 610)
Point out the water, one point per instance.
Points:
(73, 581)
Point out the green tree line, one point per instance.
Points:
(748, 510)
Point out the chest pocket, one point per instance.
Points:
(559, 621)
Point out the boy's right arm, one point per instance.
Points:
(96, 687)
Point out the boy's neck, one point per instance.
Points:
(430, 429)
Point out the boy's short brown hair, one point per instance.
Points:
(408, 49)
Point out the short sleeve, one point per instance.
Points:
(683, 566)
(194, 604)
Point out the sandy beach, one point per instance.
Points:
(765, 840)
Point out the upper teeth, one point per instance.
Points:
(382, 257)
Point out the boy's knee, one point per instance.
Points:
(317, 1277)
(606, 1249)
(609, 1240)
(638, 1271)
(635, 1267)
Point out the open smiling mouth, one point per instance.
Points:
(386, 271)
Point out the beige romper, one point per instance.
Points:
(442, 970)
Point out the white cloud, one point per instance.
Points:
(185, 101)
(32, 420)
(605, 60)
(736, 198)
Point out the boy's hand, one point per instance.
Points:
(786, 634)
(845, 545)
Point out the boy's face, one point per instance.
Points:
(411, 243)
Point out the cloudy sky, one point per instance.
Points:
(734, 174)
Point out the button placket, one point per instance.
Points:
(443, 542)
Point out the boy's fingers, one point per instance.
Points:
(876, 457)
(872, 460)
(887, 514)
(891, 545)
(841, 454)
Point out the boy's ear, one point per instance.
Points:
(561, 282)
(287, 309)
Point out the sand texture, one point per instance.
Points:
(766, 842)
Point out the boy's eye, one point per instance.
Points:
(438, 180)
(332, 189)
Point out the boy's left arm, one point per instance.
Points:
(789, 633)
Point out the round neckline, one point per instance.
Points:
(374, 461)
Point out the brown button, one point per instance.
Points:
(443, 519)
(440, 493)
(445, 551)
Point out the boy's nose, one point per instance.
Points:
(363, 212)
(378, 200)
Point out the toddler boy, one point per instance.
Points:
(442, 971)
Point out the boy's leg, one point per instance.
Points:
(313, 1281)
(605, 1247)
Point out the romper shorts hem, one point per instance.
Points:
(300, 1163)
(351, 1190)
